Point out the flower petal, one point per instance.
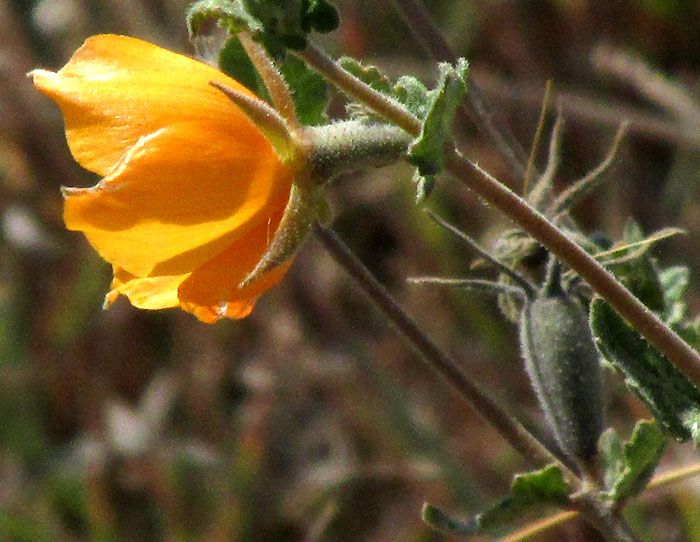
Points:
(145, 293)
(211, 292)
(116, 90)
(179, 197)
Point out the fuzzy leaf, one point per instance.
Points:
(309, 90)
(413, 94)
(230, 14)
(629, 465)
(276, 24)
(640, 274)
(529, 492)
(427, 151)
(675, 282)
(370, 75)
(670, 395)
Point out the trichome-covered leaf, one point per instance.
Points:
(670, 395)
(629, 465)
(530, 492)
(428, 150)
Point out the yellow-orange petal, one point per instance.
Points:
(211, 291)
(179, 197)
(145, 293)
(116, 90)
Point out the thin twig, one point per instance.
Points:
(538, 136)
(521, 281)
(583, 187)
(542, 191)
(505, 423)
(481, 285)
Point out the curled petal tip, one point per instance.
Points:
(67, 191)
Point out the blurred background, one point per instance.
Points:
(311, 420)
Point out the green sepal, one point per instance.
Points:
(428, 150)
(308, 89)
(234, 62)
(630, 465)
(306, 204)
(530, 492)
(670, 395)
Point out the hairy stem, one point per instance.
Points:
(501, 197)
(506, 424)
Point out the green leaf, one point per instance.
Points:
(321, 16)
(413, 94)
(529, 492)
(370, 75)
(309, 90)
(640, 274)
(441, 521)
(670, 395)
(428, 150)
(230, 14)
(675, 282)
(630, 465)
(276, 24)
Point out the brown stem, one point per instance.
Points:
(599, 279)
(534, 223)
(506, 424)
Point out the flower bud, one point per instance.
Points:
(564, 368)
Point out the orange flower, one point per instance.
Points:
(192, 191)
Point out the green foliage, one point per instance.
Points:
(640, 274)
(276, 23)
(669, 394)
(374, 78)
(629, 465)
(427, 152)
(436, 108)
(530, 492)
(309, 91)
